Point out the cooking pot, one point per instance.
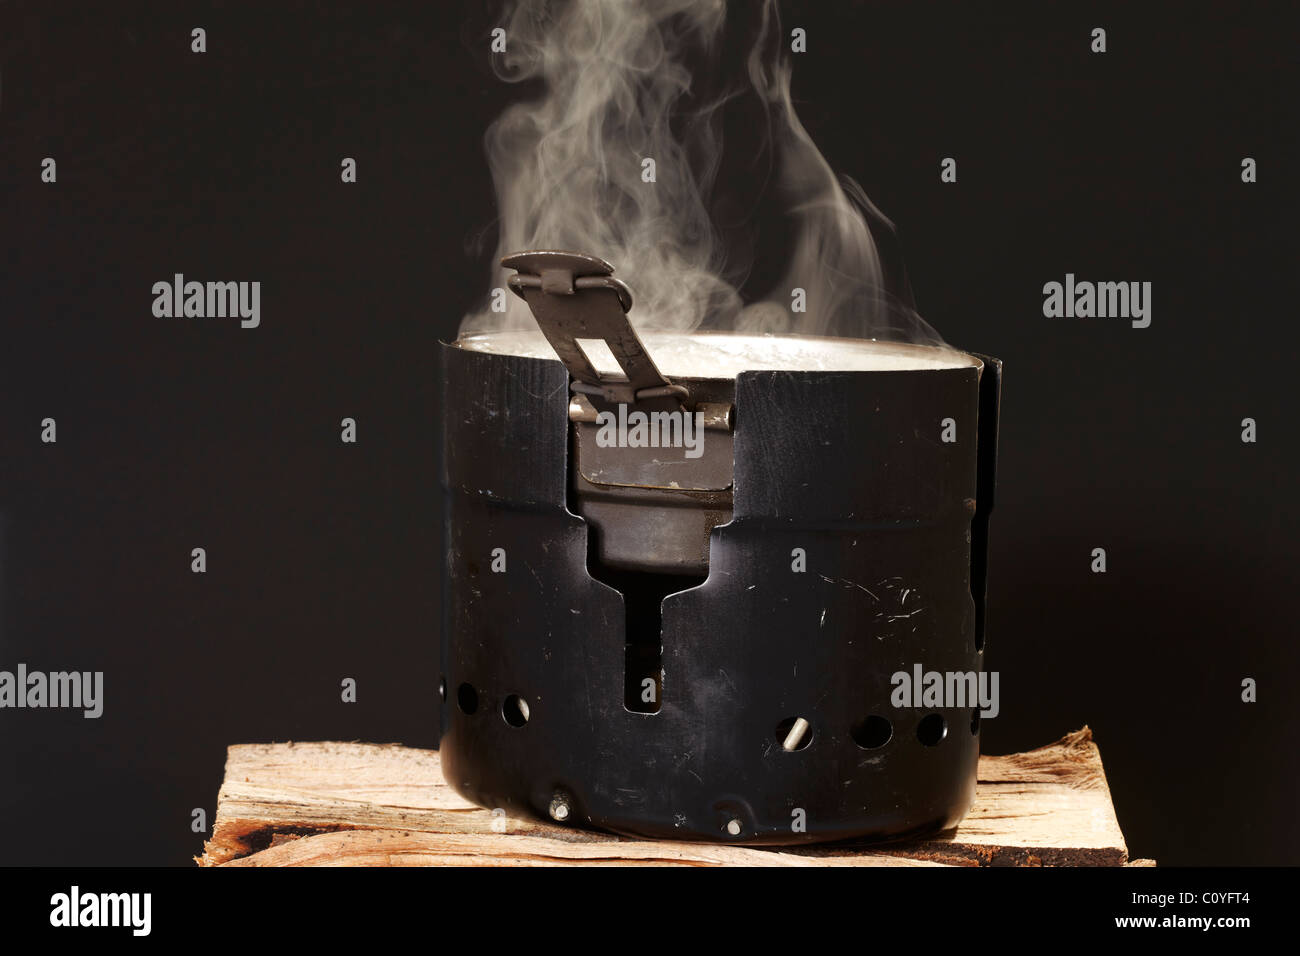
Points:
(682, 571)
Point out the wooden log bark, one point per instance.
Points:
(355, 804)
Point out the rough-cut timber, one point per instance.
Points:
(354, 804)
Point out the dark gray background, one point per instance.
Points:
(323, 558)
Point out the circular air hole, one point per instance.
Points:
(794, 733)
(974, 722)
(931, 729)
(467, 698)
(515, 710)
(872, 733)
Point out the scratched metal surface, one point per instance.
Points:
(848, 467)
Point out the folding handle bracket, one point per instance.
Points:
(574, 296)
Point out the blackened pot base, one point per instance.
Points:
(855, 549)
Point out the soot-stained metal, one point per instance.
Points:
(702, 648)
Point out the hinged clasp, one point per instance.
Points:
(574, 296)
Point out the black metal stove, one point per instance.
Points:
(697, 642)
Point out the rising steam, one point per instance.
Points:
(623, 81)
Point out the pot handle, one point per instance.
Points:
(574, 296)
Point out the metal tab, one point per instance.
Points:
(716, 415)
(573, 296)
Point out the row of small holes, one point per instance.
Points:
(874, 732)
(870, 734)
(514, 709)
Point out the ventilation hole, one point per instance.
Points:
(515, 710)
(872, 733)
(643, 642)
(794, 733)
(974, 722)
(467, 697)
(931, 729)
